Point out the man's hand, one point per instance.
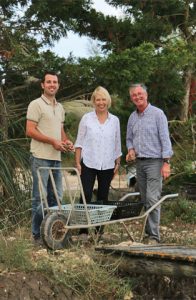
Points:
(165, 170)
(63, 146)
(130, 155)
(68, 146)
(58, 145)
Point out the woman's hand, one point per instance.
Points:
(116, 168)
(79, 168)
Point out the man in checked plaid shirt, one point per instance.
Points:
(148, 143)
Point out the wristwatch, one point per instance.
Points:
(166, 160)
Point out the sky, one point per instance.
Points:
(82, 46)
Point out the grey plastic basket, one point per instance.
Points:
(97, 213)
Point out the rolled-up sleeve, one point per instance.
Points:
(81, 133)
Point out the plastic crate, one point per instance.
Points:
(126, 209)
(97, 213)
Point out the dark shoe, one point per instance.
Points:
(38, 242)
(145, 239)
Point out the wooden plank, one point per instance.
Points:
(167, 260)
(169, 252)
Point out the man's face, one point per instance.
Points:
(50, 85)
(139, 96)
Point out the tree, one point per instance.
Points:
(155, 22)
(158, 22)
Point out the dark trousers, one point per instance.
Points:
(88, 177)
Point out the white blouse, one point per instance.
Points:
(100, 143)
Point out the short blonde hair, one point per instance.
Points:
(103, 91)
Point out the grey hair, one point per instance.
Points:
(134, 85)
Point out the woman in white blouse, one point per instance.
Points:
(98, 147)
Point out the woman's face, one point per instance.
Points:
(100, 102)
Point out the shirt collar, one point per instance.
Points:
(45, 99)
(145, 110)
(95, 115)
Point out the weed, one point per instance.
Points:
(182, 209)
(14, 253)
(77, 271)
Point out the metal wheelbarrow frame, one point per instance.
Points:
(58, 221)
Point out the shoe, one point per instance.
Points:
(38, 242)
(145, 239)
(152, 241)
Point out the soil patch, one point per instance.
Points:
(164, 288)
(31, 286)
(36, 286)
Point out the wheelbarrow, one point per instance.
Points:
(61, 220)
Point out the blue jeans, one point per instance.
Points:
(37, 213)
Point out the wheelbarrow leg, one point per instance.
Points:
(130, 236)
(143, 228)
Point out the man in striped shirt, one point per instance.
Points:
(149, 144)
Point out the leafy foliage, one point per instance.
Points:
(183, 137)
(181, 209)
(168, 26)
(14, 183)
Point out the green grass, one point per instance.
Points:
(86, 277)
(181, 209)
(76, 269)
(15, 253)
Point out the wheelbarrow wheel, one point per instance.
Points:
(53, 232)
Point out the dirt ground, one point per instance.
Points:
(30, 286)
(36, 286)
(16, 285)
